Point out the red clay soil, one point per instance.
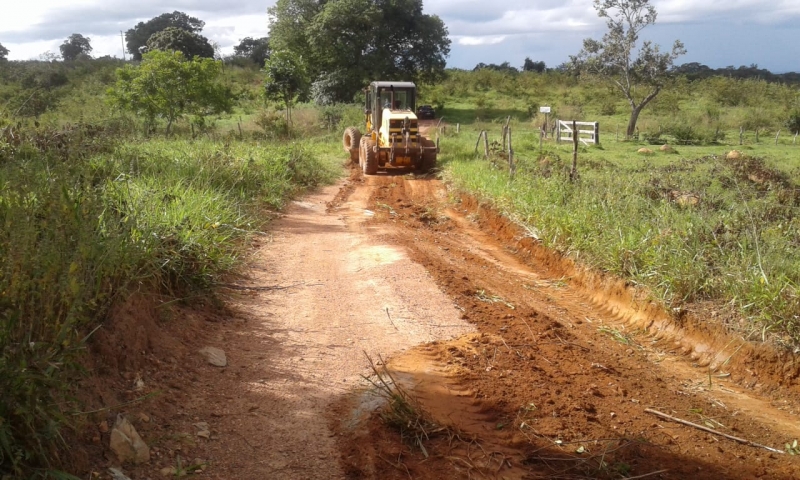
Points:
(556, 382)
(517, 363)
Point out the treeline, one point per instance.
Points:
(696, 71)
(691, 71)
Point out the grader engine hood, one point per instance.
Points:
(399, 127)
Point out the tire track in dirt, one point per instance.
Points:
(559, 376)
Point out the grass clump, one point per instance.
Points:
(84, 216)
(692, 227)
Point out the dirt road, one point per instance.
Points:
(524, 366)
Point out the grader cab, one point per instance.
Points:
(391, 136)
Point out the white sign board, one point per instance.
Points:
(544, 109)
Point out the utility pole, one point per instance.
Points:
(122, 40)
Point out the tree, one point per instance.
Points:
(638, 74)
(167, 85)
(355, 41)
(3, 53)
(531, 66)
(286, 78)
(74, 46)
(173, 39)
(136, 38)
(256, 49)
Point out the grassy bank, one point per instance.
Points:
(86, 217)
(690, 225)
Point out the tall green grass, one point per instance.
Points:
(79, 224)
(625, 215)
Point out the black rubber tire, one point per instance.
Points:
(428, 156)
(350, 141)
(370, 164)
(362, 149)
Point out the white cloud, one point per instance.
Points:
(481, 31)
(485, 40)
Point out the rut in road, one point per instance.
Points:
(557, 382)
(351, 294)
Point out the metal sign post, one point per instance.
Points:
(546, 111)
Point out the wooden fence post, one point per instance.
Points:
(485, 144)
(794, 140)
(573, 174)
(776, 136)
(541, 137)
(741, 135)
(505, 132)
(597, 133)
(458, 128)
(510, 154)
(478, 142)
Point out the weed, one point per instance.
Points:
(403, 411)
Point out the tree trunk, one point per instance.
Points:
(632, 122)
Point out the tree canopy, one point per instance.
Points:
(3, 52)
(639, 73)
(136, 38)
(74, 46)
(256, 49)
(347, 43)
(286, 78)
(167, 85)
(503, 67)
(173, 39)
(531, 66)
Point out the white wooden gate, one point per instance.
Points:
(587, 136)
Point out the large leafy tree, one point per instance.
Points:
(286, 77)
(638, 72)
(136, 38)
(531, 66)
(173, 39)
(3, 53)
(75, 46)
(256, 49)
(347, 43)
(167, 85)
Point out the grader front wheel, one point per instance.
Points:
(370, 162)
(350, 142)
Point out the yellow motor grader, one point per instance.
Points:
(391, 137)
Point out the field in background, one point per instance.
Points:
(690, 225)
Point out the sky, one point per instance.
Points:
(717, 33)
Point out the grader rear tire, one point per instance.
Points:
(350, 142)
(370, 163)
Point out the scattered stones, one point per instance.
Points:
(734, 155)
(143, 417)
(169, 471)
(666, 148)
(214, 356)
(117, 474)
(645, 151)
(127, 443)
(103, 426)
(203, 430)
